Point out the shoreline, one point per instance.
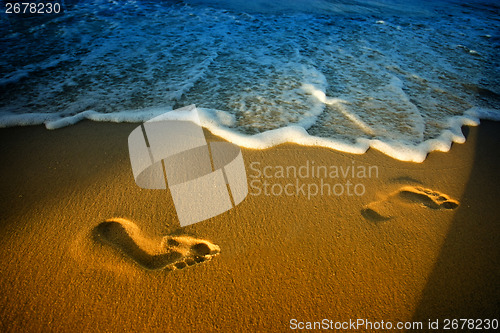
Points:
(292, 134)
(402, 251)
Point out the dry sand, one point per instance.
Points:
(82, 248)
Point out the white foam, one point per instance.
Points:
(394, 149)
(129, 116)
(54, 121)
(268, 139)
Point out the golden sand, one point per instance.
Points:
(83, 248)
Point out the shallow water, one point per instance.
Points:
(342, 74)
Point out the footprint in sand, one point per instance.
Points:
(169, 252)
(386, 209)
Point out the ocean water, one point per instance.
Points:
(348, 75)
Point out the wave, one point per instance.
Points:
(349, 75)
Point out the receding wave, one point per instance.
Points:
(348, 75)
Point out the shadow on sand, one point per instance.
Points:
(465, 281)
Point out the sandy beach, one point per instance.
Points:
(83, 248)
